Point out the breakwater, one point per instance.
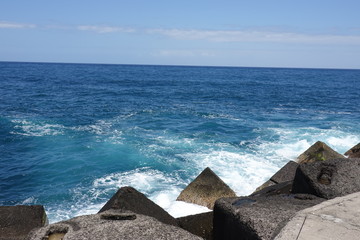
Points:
(318, 175)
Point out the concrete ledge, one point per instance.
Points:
(338, 218)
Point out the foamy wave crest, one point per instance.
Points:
(30, 200)
(101, 127)
(243, 172)
(167, 200)
(144, 179)
(39, 129)
(243, 167)
(103, 130)
(64, 212)
(343, 143)
(180, 209)
(247, 167)
(173, 141)
(220, 116)
(293, 141)
(161, 188)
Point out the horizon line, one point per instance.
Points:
(177, 65)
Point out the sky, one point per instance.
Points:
(257, 33)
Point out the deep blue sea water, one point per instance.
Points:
(72, 134)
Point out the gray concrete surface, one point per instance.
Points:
(112, 224)
(336, 219)
(255, 218)
(17, 221)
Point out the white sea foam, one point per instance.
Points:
(282, 150)
(167, 200)
(101, 127)
(30, 200)
(291, 150)
(243, 167)
(103, 130)
(36, 129)
(181, 209)
(220, 116)
(241, 171)
(144, 179)
(62, 212)
(89, 209)
(294, 141)
(116, 137)
(344, 142)
(161, 188)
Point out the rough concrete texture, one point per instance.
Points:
(112, 224)
(338, 218)
(205, 190)
(128, 198)
(199, 224)
(266, 184)
(354, 152)
(285, 174)
(318, 152)
(328, 179)
(257, 218)
(281, 188)
(17, 221)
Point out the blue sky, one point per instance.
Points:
(258, 33)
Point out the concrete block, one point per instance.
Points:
(128, 198)
(318, 152)
(205, 190)
(112, 224)
(354, 152)
(328, 179)
(256, 218)
(17, 221)
(199, 224)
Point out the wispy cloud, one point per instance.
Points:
(16, 25)
(91, 28)
(104, 29)
(255, 36)
(249, 35)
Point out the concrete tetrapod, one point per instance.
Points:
(328, 179)
(128, 198)
(257, 218)
(198, 224)
(285, 174)
(112, 224)
(206, 189)
(354, 152)
(319, 151)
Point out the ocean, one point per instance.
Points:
(72, 134)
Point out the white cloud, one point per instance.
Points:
(104, 29)
(255, 36)
(16, 25)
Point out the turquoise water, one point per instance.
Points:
(72, 134)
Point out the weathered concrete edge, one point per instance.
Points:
(332, 202)
(293, 228)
